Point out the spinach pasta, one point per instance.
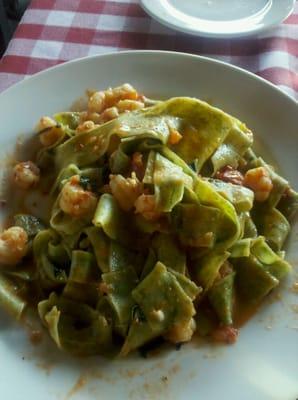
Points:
(163, 222)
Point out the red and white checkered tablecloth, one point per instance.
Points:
(54, 31)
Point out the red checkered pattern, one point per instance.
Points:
(54, 31)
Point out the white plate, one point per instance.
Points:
(219, 18)
(263, 364)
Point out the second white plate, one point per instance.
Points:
(219, 18)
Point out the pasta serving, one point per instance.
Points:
(163, 223)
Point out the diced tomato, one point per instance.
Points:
(174, 137)
(225, 334)
(230, 175)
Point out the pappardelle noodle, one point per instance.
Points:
(163, 223)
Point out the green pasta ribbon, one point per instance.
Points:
(75, 327)
(189, 251)
(163, 303)
(258, 268)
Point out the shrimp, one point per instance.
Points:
(86, 126)
(26, 174)
(123, 92)
(108, 114)
(146, 206)
(13, 245)
(45, 123)
(129, 105)
(101, 100)
(258, 179)
(76, 201)
(96, 102)
(49, 131)
(126, 190)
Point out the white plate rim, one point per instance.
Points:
(166, 21)
(145, 52)
(260, 81)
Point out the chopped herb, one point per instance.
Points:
(85, 182)
(137, 314)
(31, 224)
(178, 346)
